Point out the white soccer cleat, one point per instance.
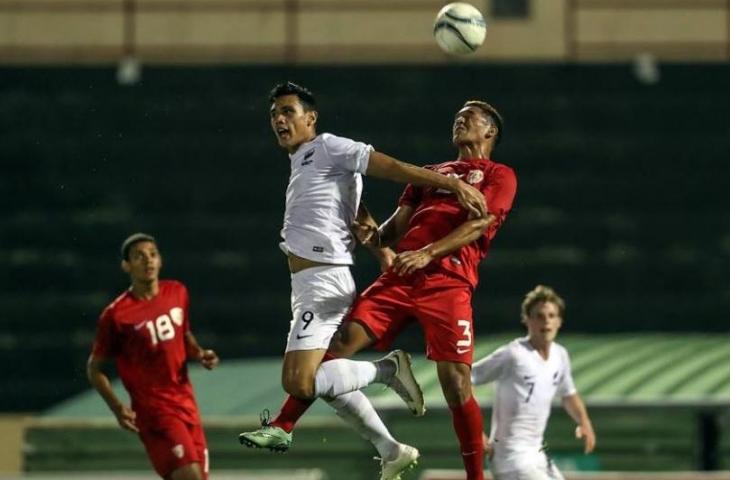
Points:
(404, 382)
(406, 459)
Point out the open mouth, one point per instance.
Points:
(283, 132)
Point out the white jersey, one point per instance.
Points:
(322, 198)
(526, 386)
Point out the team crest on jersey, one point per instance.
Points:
(474, 176)
(178, 450)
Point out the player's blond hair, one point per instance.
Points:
(541, 294)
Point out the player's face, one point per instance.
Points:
(144, 262)
(292, 125)
(543, 322)
(471, 126)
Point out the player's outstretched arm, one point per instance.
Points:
(383, 166)
(207, 358)
(100, 381)
(406, 263)
(575, 407)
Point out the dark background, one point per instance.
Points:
(622, 202)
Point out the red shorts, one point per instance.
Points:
(172, 443)
(439, 303)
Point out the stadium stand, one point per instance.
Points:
(620, 206)
(647, 417)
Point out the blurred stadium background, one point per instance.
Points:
(125, 115)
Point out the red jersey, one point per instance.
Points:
(147, 340)
(438, 213)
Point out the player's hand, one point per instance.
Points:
(471, 199)
(406, 263)
(585, 432)
(126, 417)
(488, 447)
(366, 233)
(209, 359)
(386, 257)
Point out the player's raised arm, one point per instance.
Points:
(575, 407)
(100, 381)
(207, 357)
(386, 167)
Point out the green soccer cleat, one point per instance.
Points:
(268, 436)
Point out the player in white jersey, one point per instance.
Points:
(322, 204)
(529, 372)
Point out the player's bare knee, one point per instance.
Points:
(299, 387)
(349, 339)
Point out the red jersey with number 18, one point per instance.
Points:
(147, 340)
(437, 213)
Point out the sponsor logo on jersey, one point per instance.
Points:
(299, 337)
(318, 249)
(178, 450)
(474, 176)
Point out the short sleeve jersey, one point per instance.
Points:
(437, 212)
(526, 384)
(322, 198)
(146, 338)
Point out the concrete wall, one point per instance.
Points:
(351, 31)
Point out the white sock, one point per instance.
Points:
(355, 409)
(335, 377)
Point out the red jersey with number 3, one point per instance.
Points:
(147, 340)
(438, 212)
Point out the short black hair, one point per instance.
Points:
(490, 112)
(290, 88)
(134, 239)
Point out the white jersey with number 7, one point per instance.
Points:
(526, 386)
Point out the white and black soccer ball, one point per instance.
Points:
(459, 28)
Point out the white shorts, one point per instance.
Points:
(544, 469)
(320, 299)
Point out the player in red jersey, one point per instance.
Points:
(434, 274)
(146, 331)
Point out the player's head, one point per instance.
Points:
(477, 122)
(141, 258)
(542, 313)
(293, 115)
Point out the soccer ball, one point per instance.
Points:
(459, 28)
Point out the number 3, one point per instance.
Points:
(466, 325)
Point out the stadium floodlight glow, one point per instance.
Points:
(129, 71)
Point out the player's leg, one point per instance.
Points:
(187, 472)
(377, 318)
(201, 446)
(355, 408)
(172, 450)
(446, 317)
(320, 298)
(466, 415)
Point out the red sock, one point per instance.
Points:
(468, 425)
(293, 408)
